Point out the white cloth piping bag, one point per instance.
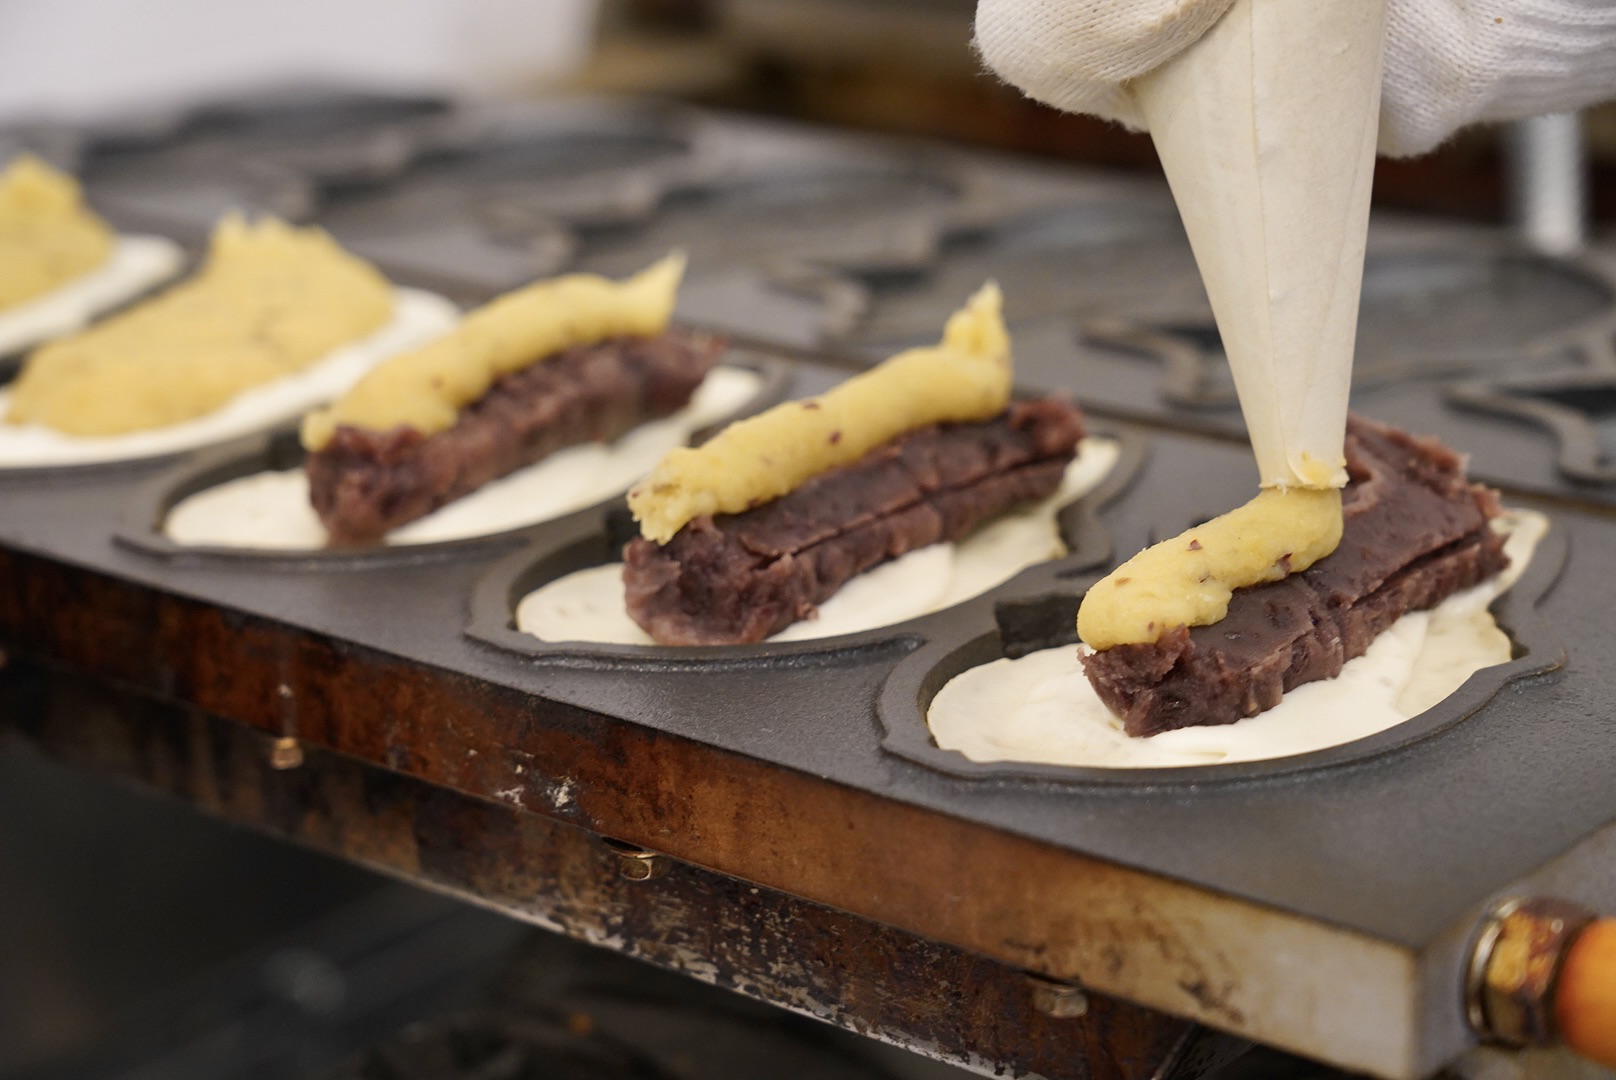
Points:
(1266, 127)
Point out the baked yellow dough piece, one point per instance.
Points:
(753, 461)
(48, 237)
(1187, 581)
(427, 388)
(270, 301)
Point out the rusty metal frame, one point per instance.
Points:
(1026, 905)
(880, 981)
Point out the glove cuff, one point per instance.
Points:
(1449, 65)
(1076, 54)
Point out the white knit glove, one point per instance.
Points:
(1449, 63)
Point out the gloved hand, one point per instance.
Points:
(1449, 63)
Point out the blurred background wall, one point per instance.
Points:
(891, 65)
(88, 57)
(906, 65)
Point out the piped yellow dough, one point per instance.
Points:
(48, 237)
(753, 461)
(270, 301)
(426, 389)
(1188, 580)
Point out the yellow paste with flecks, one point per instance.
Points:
(426, 389)
(1188, 580)
(965, 378)
(270, 301)
(48, 237)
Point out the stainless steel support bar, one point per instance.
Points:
(1547, 178)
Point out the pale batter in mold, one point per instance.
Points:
(271, 509)
(588, 605)
(136, 265)
(417, 317)
(1041, 709)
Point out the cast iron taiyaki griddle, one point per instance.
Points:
(493, 213)
(177, 171)
(1575, 405)
(1372, 864)
(1457, 330)
(375, 664)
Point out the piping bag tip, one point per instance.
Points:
(1266, 128)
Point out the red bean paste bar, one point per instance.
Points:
(363, 484)
(738, 578)
(1416, 531)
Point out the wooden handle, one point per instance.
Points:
(1585, 1001)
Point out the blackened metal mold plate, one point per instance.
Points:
(184, 199)
(1577, 407)
(853, 209)
(832, 234)
(494, 602)
(610, 188)
(59, 144)
(1555, 319)
(1426, 314)
(915, 682)
(142, 526)
(274, 116)
(335, 137)
(1123, 254)
(506, 207)
(178, 172)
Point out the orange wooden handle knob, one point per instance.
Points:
(1585, 1002)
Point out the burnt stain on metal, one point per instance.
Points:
(807, 956)
(824, 842)
(1215, 991)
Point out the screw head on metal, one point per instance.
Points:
(636, 863)
(285, 753)
(1514, 965)
(1058, 1000)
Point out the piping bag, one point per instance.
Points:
(1266, 128)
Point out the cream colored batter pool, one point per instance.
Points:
(417, 317)
(271, 509)
(588, 606)
(1041, 709)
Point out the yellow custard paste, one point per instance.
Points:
(966, 377)
(270, 301)
(1188, 580)
(48, 237)
(425, 389)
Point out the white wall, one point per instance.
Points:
(87, 57)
